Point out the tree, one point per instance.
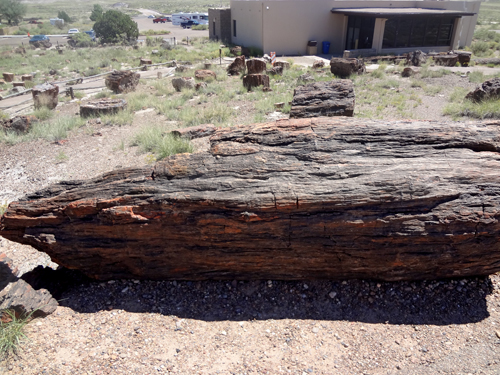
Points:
(64, 16)
(12, 10)
(96, 13)
(114, 26)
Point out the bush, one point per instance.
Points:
(115, 26)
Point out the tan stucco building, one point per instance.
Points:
(361, 27)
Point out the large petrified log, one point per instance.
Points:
(332, 197)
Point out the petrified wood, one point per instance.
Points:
(332, 197)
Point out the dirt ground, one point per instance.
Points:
(241, 327)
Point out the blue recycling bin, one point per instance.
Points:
(326, 48)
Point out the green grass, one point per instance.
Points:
(12, 333)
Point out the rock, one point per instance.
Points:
(193, 132)
(275, 70)
(237, 66)
(8, 77)
(446, 60)
(200, 85)
(20, 124)
(318, 64)
(463, 57)
(256, 66)
(122, 81)
(334, 98)
(416, 58)
(305, 78)
(407, 72)
(343, 68)
(489, 89)
(327, 198)
(235, 51)
(183, 83)
(45, 95)
(254, 80)
(27, 77)
(145, 62)
(100, 107)
(284, 64)
(24, 300)
(205, 74)
(8, 272)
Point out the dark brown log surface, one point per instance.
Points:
(297, 199)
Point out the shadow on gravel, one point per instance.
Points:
(439, 302)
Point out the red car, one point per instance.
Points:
(160, 19)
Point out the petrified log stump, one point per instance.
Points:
(122, 81)
(334, 98)
(45, 95)
(343, 68)
(256, 66)
(100, 107)
(330, 197)
(255, 80)
(237, 66)
(8, 77)
(489, 89)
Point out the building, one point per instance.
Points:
(361, 27)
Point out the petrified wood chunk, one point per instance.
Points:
(343, 68)
(334, 98)
(256, 66)
(255, 80)
(332, 197)
(489, 89)
(100, 107)
(237, 66)
(45, 95)
(122, 81)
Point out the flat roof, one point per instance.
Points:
(394, 12)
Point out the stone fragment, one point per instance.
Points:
(489, 89)
(343, 68)
(407, 72)
(8, 77)
(122, 81)
(254, 80)
(334, 98)
(180, 83)
(20, 297)
(193, 132)
(100, 107)
(416, 58)
(45, 95)
(256, 66)
(237, 66)
(205, 74)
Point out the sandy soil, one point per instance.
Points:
(251, 327)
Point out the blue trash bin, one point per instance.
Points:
(326, 48)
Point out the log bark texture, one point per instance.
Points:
(329, 197)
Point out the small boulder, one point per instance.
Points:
(180, 83)
(205, 74)
(237, 66)
(488, 90)
(343, 68)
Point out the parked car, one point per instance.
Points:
(188, 24)
(73, 31)
(39, 38)
(160, 19)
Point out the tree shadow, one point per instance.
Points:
(438, 302)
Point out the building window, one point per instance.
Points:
(418, 32)
(360, 33)
(234, 28)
